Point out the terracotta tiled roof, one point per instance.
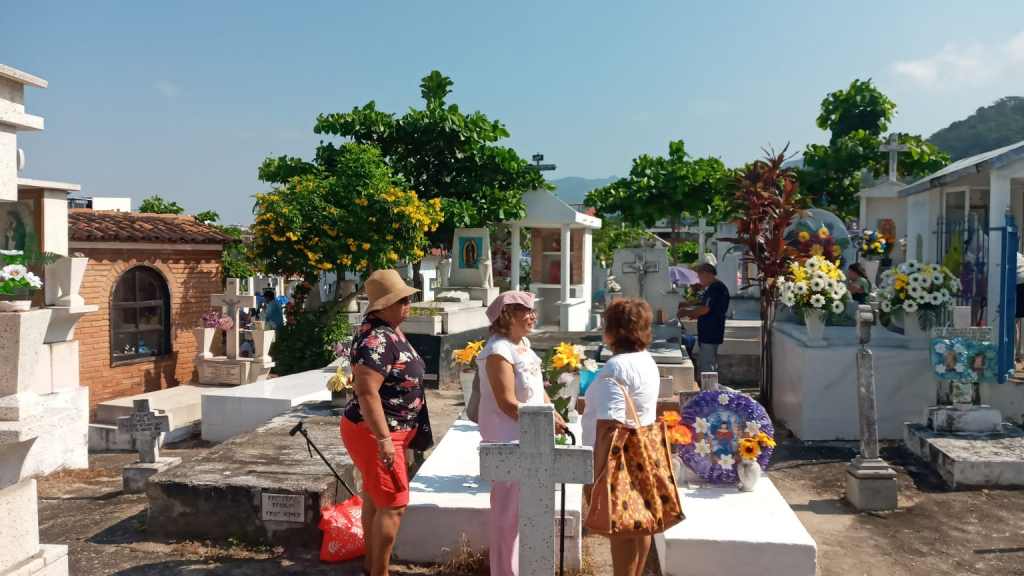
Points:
(103, 226)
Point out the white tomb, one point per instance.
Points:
(230, 369)
(735, 533)
(471, 265)
(43, 410)
(448, 491)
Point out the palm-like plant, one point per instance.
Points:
(769, 200)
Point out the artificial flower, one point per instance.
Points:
(804, 236)
(765, 440)
(701, 425)
(680, 435)
(703, 448)
(726, 461)
(753, 428)
(749, 448)
(671, 418)
(590, 365)
(723, 399)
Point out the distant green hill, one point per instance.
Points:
(991, 127)
(572, 190)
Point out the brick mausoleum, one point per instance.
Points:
(152, 276)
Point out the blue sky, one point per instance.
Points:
(184, 99)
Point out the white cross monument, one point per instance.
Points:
(231, 302)
(702, 229)
(893, 148)
(537, 465)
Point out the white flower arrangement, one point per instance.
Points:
(914, 287)
(610, 285)
(817, 284)
(14, 275)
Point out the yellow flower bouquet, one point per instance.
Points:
(464, 358)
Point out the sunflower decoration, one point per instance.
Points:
(765, 440)
(749, 448)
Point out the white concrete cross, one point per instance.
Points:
(537, 465)
(702, 231)
(640, 267)
(893, 148)
(231, 302)
(145, 427)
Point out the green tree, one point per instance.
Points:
(352, 215)
(858, 121)
(614, 234)
(666, 187)
(157, 205)
(440, 152)
(207, 217)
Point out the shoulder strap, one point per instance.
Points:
(629, 401)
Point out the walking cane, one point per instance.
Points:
(311, 446)
(561, 544)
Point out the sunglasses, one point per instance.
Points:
(405, 301)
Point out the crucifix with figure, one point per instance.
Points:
(893, 148)
(537, 465)
(641, 267)
(231, 303)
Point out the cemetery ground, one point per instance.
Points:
(934, 531)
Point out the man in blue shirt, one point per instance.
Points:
(275, 312)
(710, 316)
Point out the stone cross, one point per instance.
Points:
(702, 230)
(870, 483)
(640, 267)
(537, 465)
(893, 148)
(145, 428)
(231, 302)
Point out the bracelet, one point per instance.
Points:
(388, 439)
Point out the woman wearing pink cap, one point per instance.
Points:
(510, 375)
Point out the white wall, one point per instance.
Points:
(114, 204)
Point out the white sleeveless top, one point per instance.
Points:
(495, 425)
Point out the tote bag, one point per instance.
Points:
(634, 492)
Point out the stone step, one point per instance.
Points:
(969, 462)
(448, 502)
(733, 533)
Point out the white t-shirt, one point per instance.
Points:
(1020, 268)
(495, 425)
(604, 398)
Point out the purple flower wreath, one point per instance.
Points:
(704, 405)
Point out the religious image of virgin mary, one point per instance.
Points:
(469, 253)
(14, 232)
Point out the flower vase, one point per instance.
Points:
(677, 465)
(204, 340)
(466, 379)
(572, 392)
(815, 322)
(912, 326)
(261, 341)
(341, 399)
(871, 267)
(749, 472)
(962, 394)
(15, 305)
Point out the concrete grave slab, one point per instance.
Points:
(181, 404)
(971, 461)
(735, 533)
(219, 495)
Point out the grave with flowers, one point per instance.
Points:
(724, 441)
(231, 369)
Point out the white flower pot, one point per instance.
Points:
(572, 391)
(466, 378)
(912, 327)
(65, 278)
(749, 473)
(871, 267)
(261, 341)
(204, 340)
(815, 321)
(15, 305)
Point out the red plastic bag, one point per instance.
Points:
(343, 531)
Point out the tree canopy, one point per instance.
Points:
(352, 214)
(858, 121)
(666, 187)
(157, 205)
(440, 153)
(989, 128)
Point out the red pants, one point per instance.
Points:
(364, 449)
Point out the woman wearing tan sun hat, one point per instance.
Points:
(387, 413)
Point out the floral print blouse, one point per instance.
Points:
(379, 347)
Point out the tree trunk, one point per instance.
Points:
(672, 242)
(768, 310)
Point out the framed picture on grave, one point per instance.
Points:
(15, 225)
(727, 428)
(469, 252)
